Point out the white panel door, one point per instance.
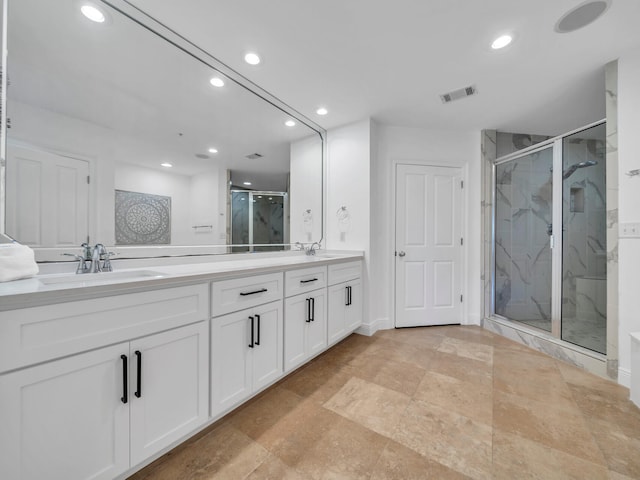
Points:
(47, 198)
(353, 308)
(336, 311)
(316, 340)
(169, 388)
(66, 419)
(296, 319)
(428, 245)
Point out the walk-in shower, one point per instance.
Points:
(550, 237)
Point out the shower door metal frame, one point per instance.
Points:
(556, 239)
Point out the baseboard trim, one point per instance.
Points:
(624, 377)
(369, 329)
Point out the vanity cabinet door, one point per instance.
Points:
(305, 327)
(353, 311)
(345, 309)
(231, 360)
(267, 356)
(246, 354)
(66, 419)
(168, 381)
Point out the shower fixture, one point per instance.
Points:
(572, 168)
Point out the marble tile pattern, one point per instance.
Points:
(611, 87)
(454, 402)
(523, 224)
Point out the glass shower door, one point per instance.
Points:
(523, 227)
(584, 259)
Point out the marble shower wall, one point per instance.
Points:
(611, 87)
(584, 236)
(522, 254)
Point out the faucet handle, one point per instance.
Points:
(81, 268)
(106, 263)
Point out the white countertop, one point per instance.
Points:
(57, 288)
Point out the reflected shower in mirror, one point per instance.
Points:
(121, 137)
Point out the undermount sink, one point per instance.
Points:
(100, 278)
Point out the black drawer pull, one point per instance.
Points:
(125, 395)
(258, 319)
(309, 281)
(252, 342)
(138, 392)
(244, 294)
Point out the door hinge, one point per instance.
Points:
(88, 179)
(461, 241)
(461, 183)
(88, 239)
(460, 298)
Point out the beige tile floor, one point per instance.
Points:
(437, 402)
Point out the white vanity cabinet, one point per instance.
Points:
(98, 412)
(344, 300)
(305, 315)
(246, 346)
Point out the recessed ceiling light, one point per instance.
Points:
(217, 82)
(213, 150)
(246, 183)
(501, 42)
(259, 196)
(166, 164)
(93, 13)
(290, 123)
(270, 198)
(322, 111)
(252, 58)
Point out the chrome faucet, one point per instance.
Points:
(89, 261)
(311, 249)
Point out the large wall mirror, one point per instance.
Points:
(121, 132)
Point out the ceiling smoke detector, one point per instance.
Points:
(582, 15)
(254, 156)
(458, 94)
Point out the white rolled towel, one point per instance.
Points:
(16, 262)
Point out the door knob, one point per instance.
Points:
(401, 254)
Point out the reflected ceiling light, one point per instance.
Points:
(259, 196)
(252, 58)
(166, 164)
(322, 111)
(217, 82)
(290, 123)
(93, 13)
(501, 42)
(270, 198)
(246, 183)
(213, 150)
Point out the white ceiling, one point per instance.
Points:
(391, 59)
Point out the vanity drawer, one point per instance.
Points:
(232, 295)
(304, 280)
(38, 334)
(343, 272)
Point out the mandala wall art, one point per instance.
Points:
(142, 219)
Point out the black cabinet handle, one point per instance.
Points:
(346, 295)
(252, 342)
(138, 392)
(313, 309)
(309, 281)
(244, 294)
(308, 319)
(258, 319)
(125, 395)
(350, 294)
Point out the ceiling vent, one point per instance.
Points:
(254, 156)
(458, 94)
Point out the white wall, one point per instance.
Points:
(629, 201)
(428, 147)
(349, 158)
(305, 190)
